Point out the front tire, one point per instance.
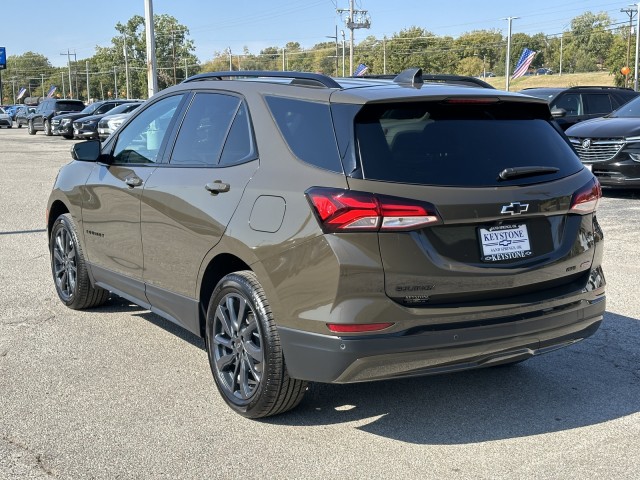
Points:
(244, 350)
(47, 128)
(69, 268)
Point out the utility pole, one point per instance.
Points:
(342, 33)
(561, 41)
(86, 66)
(186, 72)
(631, 12)
(126, 65)
(635, 84)
(173, 56)
(355, 19)
(152, 79)
(507, 72)
(283, 59)
(230, 59)
(68, 54)
(64, 92)
(42, 83)
(115, 82)
(335, 38)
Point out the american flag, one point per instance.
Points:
(21, 92)
(523, 63)
(360, 70)
(52, 90)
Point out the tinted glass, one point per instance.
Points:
(631, 109)
(239, 146)
(571, 102)
(91, 108)
(103, 109)
(460, 145)
(597, 103)
(2, 110)
(140, 140)
(204, 129)
(308, 130)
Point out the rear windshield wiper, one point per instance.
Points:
(520, 172)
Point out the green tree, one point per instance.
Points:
(30, 70)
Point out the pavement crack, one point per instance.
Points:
(38, 458)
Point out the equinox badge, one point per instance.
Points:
(515, 208)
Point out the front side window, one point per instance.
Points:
(140, 140)
(204, 129)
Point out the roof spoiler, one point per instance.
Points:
(410, 77)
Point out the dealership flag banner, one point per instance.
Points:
(51, 91)
(523, 64)
(21, 92)
(360, 70)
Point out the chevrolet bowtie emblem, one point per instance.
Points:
(515, 208)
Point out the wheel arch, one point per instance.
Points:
(218, 267)
(56, 209)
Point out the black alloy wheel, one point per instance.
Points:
(244, 350)
(69, 268)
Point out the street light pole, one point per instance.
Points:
(507, 61)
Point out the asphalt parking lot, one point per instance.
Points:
(118, 392)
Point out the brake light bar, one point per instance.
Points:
(349, 211)
(585, 200)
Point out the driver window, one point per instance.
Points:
(140, 140)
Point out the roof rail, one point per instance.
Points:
(603, 87)
(298, 78)
(410, 76)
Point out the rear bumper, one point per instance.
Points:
(330, 359)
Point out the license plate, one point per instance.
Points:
(504, 242)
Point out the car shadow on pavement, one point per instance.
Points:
(592, 382)
(117, 304)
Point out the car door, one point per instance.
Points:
(111, 204)
(188, 202)
(40, 112)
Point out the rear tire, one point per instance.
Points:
(30, 129)
(47, 128)
(69, 268)
(244, 350)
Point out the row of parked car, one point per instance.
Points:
(70, 118)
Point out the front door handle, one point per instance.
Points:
(133, 181)
(217, 187)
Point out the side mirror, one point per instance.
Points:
(558, 112)
(88, 151)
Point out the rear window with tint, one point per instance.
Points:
(459, 144)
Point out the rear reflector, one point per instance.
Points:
(586, 199)
(347, 211)
(357, 327)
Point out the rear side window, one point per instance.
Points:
(597, 103)
(459, 144)
(204, 129)
(308, 130)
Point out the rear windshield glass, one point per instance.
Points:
(69, 106)
(459, 144)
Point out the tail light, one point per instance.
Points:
(348, 211)
(585, 200)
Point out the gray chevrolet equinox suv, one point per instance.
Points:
(335, 230)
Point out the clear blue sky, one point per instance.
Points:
(50, 28)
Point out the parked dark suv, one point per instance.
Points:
(335, 230)
(50, 107)
(576, 104)
(63, 124)
(610, 146)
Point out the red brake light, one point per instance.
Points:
(586, 199)
(357, 327)
(347, 210)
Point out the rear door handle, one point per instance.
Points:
(133, 181)
(217, 187)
